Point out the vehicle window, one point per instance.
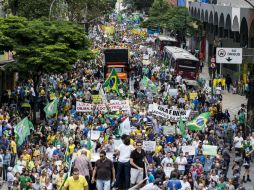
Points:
(118, 70)
(187, 64)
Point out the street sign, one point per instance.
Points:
(229, 55)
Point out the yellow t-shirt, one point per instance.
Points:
(59, 181)
(79, 184)
(26, 157)
(71, 148)
(158, 148)
(36, 153)
(13, 147)
(31, 165)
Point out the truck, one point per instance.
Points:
(117, 59)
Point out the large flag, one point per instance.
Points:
(182, 128)
(199, 122)
(22, 130)
(125, 127)
(51, 108)
(112, 82)
(149, 84)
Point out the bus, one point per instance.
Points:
(182, 62)
(162, 41)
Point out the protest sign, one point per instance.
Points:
(173, 92)
(87, 107)
(193, 95)
(149, 145)
(190, 149)
(95, 135)
(83, 107)
(210, 150)
(116, 105)
(170, 114)
(96, 98)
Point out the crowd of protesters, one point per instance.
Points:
(43, 161)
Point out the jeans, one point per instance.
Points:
(103, 184)
(123, 174)
(13, 159)
(5, 170)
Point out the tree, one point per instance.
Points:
(80, 10)
(138, 5)
(43, 47)
(176, 19)
(28, 8)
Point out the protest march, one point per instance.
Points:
(105, 126)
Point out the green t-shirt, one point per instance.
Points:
(23, 180)
(242, 118)
(221, 186)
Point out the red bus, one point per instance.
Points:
(182, 62)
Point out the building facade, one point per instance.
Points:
(227, 23)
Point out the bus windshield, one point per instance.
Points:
(184, 64)
(118, 70)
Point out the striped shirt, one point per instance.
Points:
(83, 165)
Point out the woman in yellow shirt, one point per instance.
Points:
(71, 147)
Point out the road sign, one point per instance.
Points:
(229, 55)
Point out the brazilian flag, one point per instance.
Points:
(199, 122)
(112, 82)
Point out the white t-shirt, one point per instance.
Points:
(181, 163)
(239, 143)
(150, 186)
(166, 161)
(185, 185)
(125, 153)
(50, 151)
(252, 141)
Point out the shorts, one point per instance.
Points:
(136, 175)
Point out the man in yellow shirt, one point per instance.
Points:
(13, 147)
(76, 182)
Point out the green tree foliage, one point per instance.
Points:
(28, 8)
(138, 5)
(43, 47)
(176, 19)
(88, 9)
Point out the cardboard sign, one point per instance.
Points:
(116, 105)
(173, 92)
(190, 149)
(210, 150)
(95, 135)
(96, 98)
(170, 114)
(149, 146)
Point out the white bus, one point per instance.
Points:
(162, 41)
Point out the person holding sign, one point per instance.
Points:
(137, 161)
(181, 162)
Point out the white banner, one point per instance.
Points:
(149, 146)
(95, 135)
(170, 114)
(114, 105)
(190, 149)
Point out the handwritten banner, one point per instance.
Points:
(210, 150)
(171, 114)
(149, 146)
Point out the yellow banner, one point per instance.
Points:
(218, 81)
(96, 98)
(193, 95)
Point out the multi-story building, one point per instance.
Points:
(227, 23)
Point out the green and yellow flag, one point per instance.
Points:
(22, 130)
(51, 108)
(149, 84)
(199, 122)
(112, 82)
